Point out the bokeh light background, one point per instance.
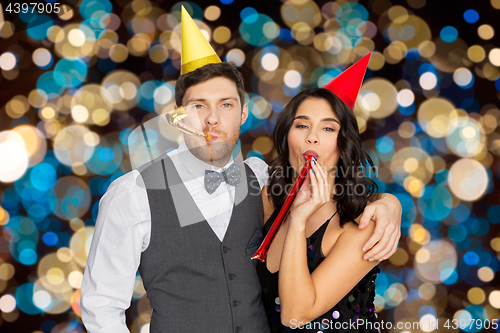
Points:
(74, 88)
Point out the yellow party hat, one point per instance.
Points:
(196, 51)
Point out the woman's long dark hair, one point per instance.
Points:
(351, 168)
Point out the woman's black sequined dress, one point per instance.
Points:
(356, 305)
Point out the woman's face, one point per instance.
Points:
(315, 127)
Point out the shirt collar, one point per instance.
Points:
(194, 165)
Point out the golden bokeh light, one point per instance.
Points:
(158, 53)
(7, 271)
(422, 256)
(494, 299)
(495, 244)
(80, 245)
(35, 143)
(377, 61)
(372, 93)
(486, 274)
(494, 56)
(476, 295)
(222, 35)
(118, 53)
(304, 11)
(13, 145)
(486, 31)
(467, 179)
(476, 53)
(427, 291)
(212, 13)
(399, 258)
(67, 140)
(435, 115)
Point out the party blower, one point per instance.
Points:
(175, 117)
(266, 243)
(151, 139)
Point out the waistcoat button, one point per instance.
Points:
(225, 249)
(239, 329)
(235, 303)
(231, 276)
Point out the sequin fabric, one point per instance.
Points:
(356, 305)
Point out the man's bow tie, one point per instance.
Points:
(213, 179)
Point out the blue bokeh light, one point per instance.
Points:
(471, 16)
(249, 15)
(448, 34)
(258, 30)
(70, 72)
(24, 298)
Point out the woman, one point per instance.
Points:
(314, 272)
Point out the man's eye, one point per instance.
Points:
(198, 106)
(227, 105)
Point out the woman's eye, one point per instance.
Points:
(330, 129)
(301, 126)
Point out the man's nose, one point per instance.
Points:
(213, 118)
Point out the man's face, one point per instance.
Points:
(220, 115)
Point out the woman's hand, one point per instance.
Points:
(313, 194)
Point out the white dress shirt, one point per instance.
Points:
(123, 230)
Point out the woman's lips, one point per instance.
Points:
(310, 152)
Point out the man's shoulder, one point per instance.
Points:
(130, 181)
(260, 169)
(256, 163)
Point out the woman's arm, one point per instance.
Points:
(304, 296)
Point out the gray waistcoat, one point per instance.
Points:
(194, 282)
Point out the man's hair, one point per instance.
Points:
(205, 73)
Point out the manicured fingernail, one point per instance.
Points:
(366, 257)
(371, 259)
(364, 250)
(312, 170)
(314, 162)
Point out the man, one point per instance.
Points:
(191, 237)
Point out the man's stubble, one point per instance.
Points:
(215, 153)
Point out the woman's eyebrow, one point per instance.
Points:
(324, 119)
(330, 119)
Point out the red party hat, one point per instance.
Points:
(347, 84)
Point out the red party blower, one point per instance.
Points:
(266, 243)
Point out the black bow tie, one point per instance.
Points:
(213, 179)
